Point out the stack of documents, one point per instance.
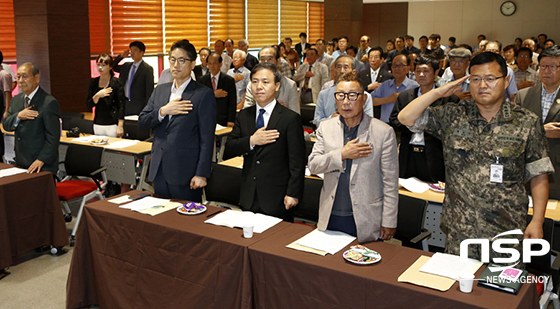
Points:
(232, 218)
(123, 144)
(148, 205)
(322, 242)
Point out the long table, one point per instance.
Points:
(286, 278)
(124, 259)
(30, 215)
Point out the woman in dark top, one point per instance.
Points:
(106, 94)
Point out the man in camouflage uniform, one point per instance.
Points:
(491, 148)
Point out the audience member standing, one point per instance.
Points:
(137, 78)
(241, 75)
(223, 86)
(311, 75)
(202, 68)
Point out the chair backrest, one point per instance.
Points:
(82, 160)
(132, 131)
(224, 184)
(412, 212)
(542, 263)
(86, 126)
(308, 206)
(67, 117)
(307, 114)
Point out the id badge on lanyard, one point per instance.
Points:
(496, 171)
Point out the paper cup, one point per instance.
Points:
(248, 231)
(466, 282)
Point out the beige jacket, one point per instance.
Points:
(373, 179)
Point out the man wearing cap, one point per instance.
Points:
(459, 61)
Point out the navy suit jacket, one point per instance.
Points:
(183, 146)
(142, 85)
(273, 170)
(37, 138)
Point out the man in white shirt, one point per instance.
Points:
(240, 74)
(226, 60)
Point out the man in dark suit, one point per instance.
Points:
(421, 154)
(182, 116)
(250, 60)
(543, 99)
(375, 76)
(302, 46)
(34, 116)
(202, 68)
(137, 78)
(271, 142)
(223, 86)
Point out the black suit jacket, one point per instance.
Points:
(226, 106)
(250, 62)
(299, 48)
(433, 147)
(198, 72)
(183, 146)
(141, 87)
(37, 138)
(274, 170)
(382, 76)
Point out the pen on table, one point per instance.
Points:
(214, 213)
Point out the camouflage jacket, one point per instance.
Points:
(515, 138)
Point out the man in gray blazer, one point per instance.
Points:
(358, 155)
(543, 99)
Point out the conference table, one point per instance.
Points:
(124, 259)
(30, 215)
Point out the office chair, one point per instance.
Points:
(86, 126)
(542, 265)
(223, 186)
(81, 161)
(132, 131)
(67, 117)
(410, 223)
(308, 207)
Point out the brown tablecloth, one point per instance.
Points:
(124, 259)
(30, 215)
(287, 278)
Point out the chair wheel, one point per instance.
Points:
(68, 218)
(72, 241)
(55, 250)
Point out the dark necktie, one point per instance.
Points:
(130, 79)
(26, 101)
(306, 82)
(260, 119)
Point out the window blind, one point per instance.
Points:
(227, 20)
(293, 20)
(137, 20)
(316, 22)
(262, 22)
(186, 20)
(7, 29)
(99, 27)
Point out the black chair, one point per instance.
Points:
(308, 148)
(542, 265)
(307, 114)
(86, 126)
(223, 186)
(410, 223)
(132, 131)
(67, 117)
(308, 207)
(81, 161)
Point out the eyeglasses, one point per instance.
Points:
(352, 96)
(489, 80)
(181, 60)
(552, 68)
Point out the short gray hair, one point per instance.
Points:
(34, 68)
(244, 41)
(243, 54)
(346, 56)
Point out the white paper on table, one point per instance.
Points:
(414, 184)
(219, 127)
(297, 245)
(122, 144)
(450, 266)
(120, 199)
(232, 218)
(329, 241)
(12, 171)
(144, 203)
(86, 139)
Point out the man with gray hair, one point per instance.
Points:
(543, 99)
(251, 60)
(34, 116)
(325, 107)
(240, 74)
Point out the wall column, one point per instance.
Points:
(344, 18)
